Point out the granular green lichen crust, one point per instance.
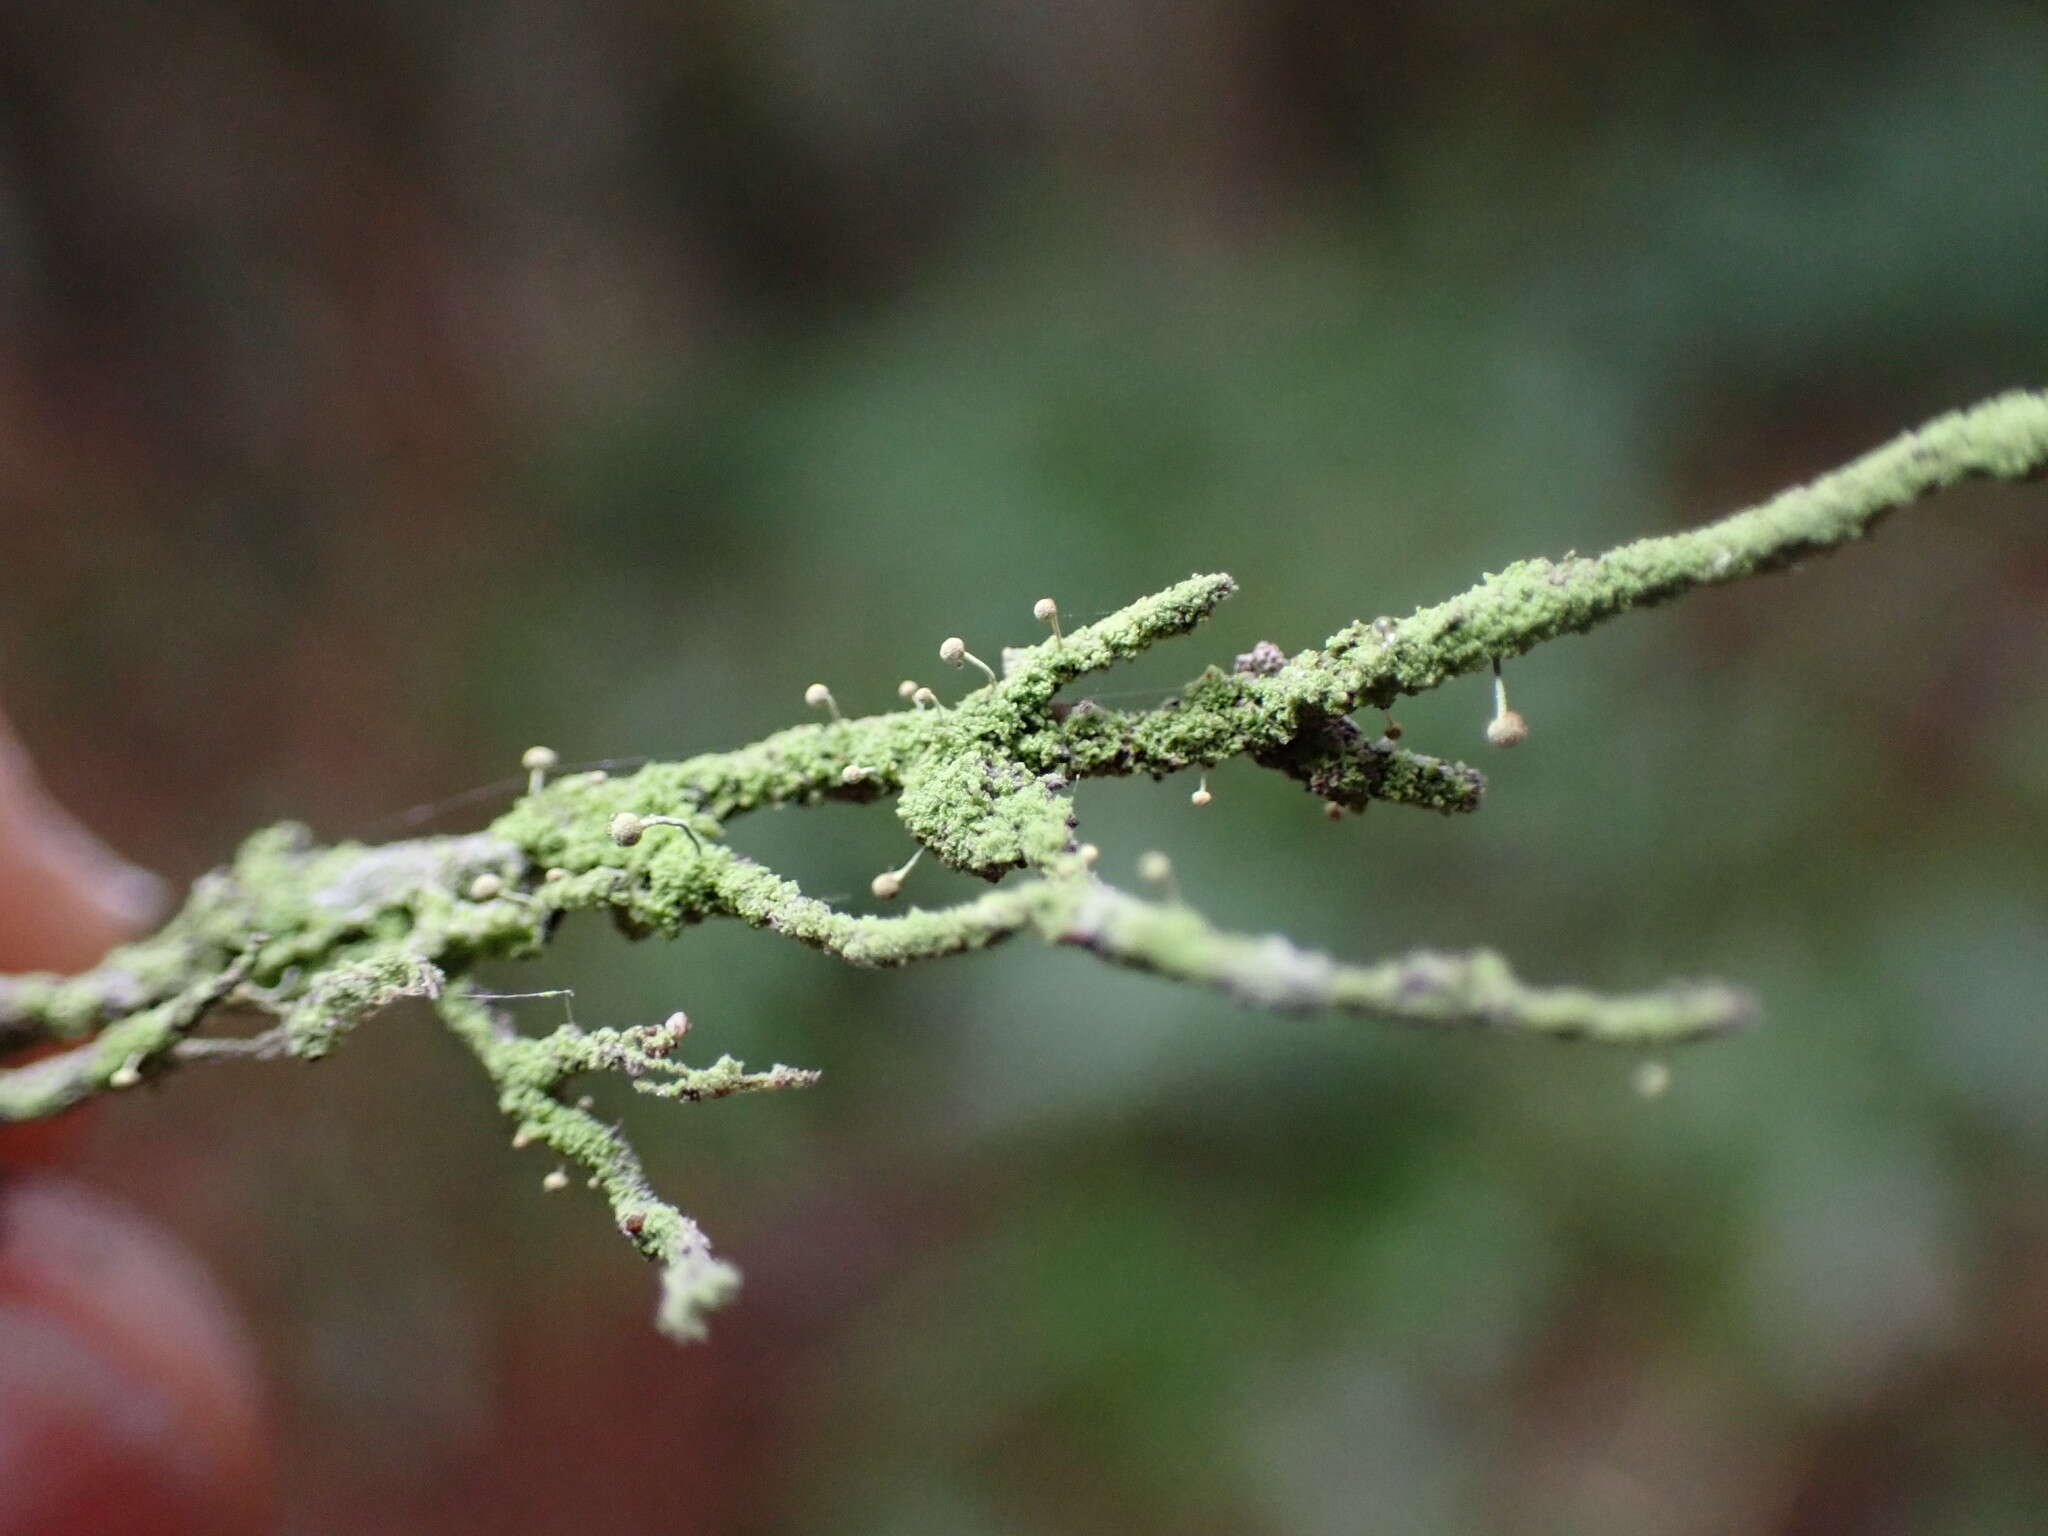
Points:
(315, 939)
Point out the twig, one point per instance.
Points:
(319, 938)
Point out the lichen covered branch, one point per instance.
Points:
(1476, 990)
(1533, 601)
(314, 939)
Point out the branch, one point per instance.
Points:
(1532, 601)
(318, 938)
(1477, 990)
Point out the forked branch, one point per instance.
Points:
(317, 938)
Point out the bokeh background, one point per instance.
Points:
(384, 388)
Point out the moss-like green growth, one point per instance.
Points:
(317, 938)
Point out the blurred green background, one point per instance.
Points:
(384, 388)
